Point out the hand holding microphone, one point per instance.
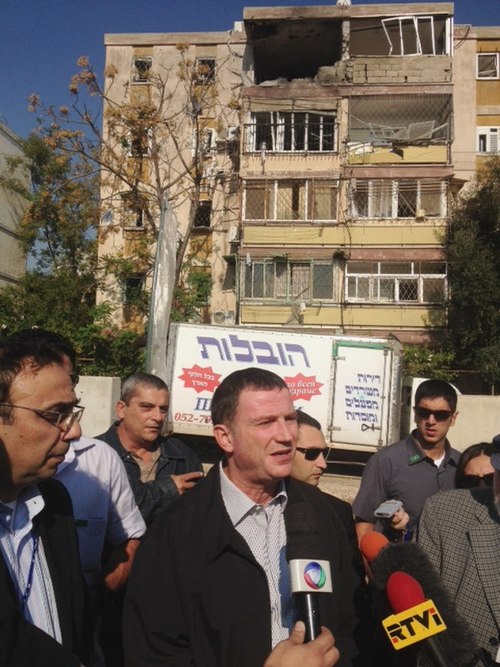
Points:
(309, 565)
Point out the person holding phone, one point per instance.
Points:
(414, 468)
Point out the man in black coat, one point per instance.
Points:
(160, 469)
(42, 610)
(210, 586)
(309, 464)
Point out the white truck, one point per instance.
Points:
(351, 385)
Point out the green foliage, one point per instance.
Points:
(474, 276)
(191, 297)
(419, 361)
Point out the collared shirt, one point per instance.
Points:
(403, 471)
(103, 503)
(263, 529)
(21, 547)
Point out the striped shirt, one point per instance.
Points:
(263, 529)
(24, 555)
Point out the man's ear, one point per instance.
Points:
(120, 409)
(223, 437)
(453, 419)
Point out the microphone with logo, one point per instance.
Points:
(309, 565)
(415, 619)
(458, 642)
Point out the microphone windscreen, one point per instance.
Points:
(458, 641)
(302, 533)
(403, 592)
(371, 545)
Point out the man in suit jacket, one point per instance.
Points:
(210, 585)
(42, 614)
(460, 532)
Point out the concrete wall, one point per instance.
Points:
(99, 396)
(478, 420)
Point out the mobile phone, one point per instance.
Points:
(388, 508)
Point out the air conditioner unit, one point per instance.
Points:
(224, 317)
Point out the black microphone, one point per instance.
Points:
(309, 565)
(458, 642)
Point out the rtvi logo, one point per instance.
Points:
(414, 624)
(314, 575)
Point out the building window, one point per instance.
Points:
(404, 198)
(280, 279)
(205, 70)
(133, 289)
(487, 139)
(133, 211)
(203, 214)
(410, 35)
(282, 132)
(141, 69)
(488, 66)
(288, 200)
(138, 143)
(396, 282)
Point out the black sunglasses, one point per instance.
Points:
(439, 415)
(471, 481)
(313, 453)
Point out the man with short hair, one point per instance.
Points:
(211, 585)
(159, 468)
(309, 464)
(414, 468)
(42, 613)
(460, 532)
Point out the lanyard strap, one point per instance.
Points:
(31, 571)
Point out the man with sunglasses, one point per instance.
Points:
(309, 464)
(460, 533)
(414, 468)
(42, 613)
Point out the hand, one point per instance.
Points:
(186, 481)
(400, 520)
(292, 652)
(117, 569)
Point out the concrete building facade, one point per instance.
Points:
(12, 207)
(346, 135)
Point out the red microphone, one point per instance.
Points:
(415, 619)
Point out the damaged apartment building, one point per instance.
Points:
(334, 214)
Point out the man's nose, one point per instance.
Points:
(321, 461)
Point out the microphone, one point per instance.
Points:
(415, 619)
(309, 565)
(385, 558)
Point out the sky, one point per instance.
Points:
(41, 40)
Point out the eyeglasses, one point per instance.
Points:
(75, 379)
(471, 481)
(439, 415)
(63, 419)
(313, 453)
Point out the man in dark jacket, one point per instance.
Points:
(42, 609)
(211, 586)
(159, 468)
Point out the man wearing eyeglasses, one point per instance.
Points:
(414, 468)
(460, 533)
(42, 615)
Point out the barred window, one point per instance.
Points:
(287, 200)
(291, 132)
(404, 198)
(281, 279)
(396, 282)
